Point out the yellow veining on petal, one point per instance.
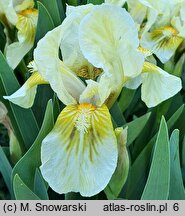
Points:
(145, 51)
(168, 30)
(83, 127)
(166, 37)
(36, 79)
(82, 161)
(27, 21)
(149, 68)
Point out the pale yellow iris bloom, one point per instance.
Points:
(89, 51)
(23, 16)
(110, 52)
(165, 27)
(80, 154)
(106, 50)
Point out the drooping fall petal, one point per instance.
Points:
(158, 85)
(25, 96)
(80, 153)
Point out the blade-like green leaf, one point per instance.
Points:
(73, 2)
(44, 94)
(45, 22)
(179, 66)
(145, 136)
(2, 38)
(177, 115)
(53, 10)
(135, 127)
(133, 104)
(95, 2)
(21, 191)
(40, 186)
(23, 120)
(140, 167)
(125, 98)
(177, 102)
(158, 182)
(183, 153)
(177, 191)
(26, 167)
(56, 107)
(117, 115)
(179, 124)
(5, 169)
(61, 8)
(162, 109)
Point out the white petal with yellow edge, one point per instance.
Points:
(25, 96)
(109, 39)
(62, 80)
(158, 85)
(80, 154)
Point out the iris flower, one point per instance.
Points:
(23, 16)
(99, 43)
(165, 27)
(111, 52)
(80, 154)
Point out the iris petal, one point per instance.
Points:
(62, 80)
(158, 85)
(163, 42)
(71, 53)
(25, 96)
(116, 2)
(26, 25)
(109, 40)
(80, 153)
